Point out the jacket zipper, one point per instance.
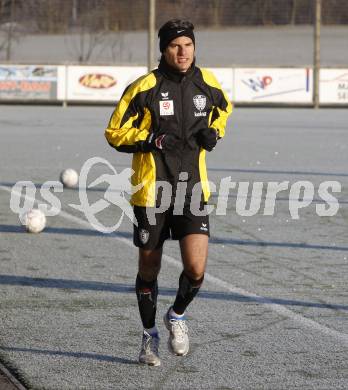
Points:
(182, 118)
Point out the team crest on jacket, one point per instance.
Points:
(200, 102)
(144, 236)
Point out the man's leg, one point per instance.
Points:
(194, 252)
(149, 239)
(147, 291)
(146, 285)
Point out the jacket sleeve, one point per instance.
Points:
(222, 107)
(131, 119)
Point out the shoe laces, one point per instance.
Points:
(150, 343)
(179, 329)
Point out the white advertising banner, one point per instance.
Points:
(225, 77)
(333, 86)
(99, 83)
(273, 85)
(62, 82)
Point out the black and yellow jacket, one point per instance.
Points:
(166, 101)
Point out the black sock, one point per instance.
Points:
(188, 289)
(147, 300)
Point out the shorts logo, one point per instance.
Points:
(166, 107)
(204, 227)
(200, 102)
(144, 236)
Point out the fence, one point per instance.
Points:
(233, 34)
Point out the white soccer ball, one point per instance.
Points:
(34, 221)
(69, 177)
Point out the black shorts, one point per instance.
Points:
(166, 225)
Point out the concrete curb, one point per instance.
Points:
(8, 381)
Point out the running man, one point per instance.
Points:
(168, 119)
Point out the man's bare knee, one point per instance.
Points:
(149, 263)
(194, 251)
(194, 272)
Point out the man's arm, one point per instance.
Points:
(222, 107)
(130, 123)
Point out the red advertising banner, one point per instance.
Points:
(28, 82)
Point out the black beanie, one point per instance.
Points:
(174, 29)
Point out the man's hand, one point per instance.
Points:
(165, 142)
(207, 138)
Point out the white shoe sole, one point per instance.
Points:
(150, 364)
(172, 350)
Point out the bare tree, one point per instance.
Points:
(116, 46)
(216, 4)
(9, 29)
(88, 34)
(266, 12)
(293, 12)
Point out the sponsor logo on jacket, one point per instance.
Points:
(166, 107)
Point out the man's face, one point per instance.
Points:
(179, 53)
